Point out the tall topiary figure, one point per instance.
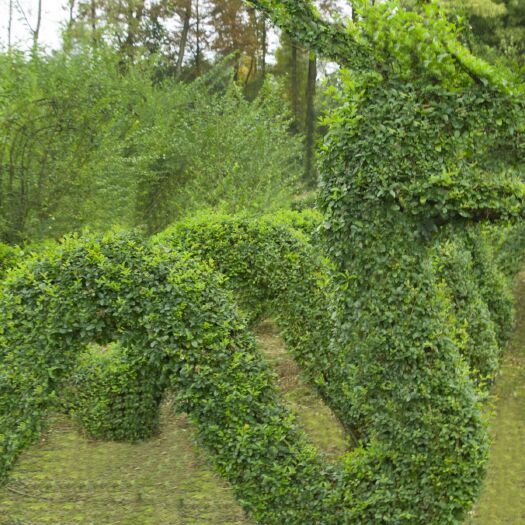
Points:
(420, 153)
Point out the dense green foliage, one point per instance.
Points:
(58, 115)
(411, 161)
(126, 381)
(262, 259)
(509, 244)
(480, 345)
(172, 314)
(110, 398)
(400, 329)
(496, 28)
(211, 149)
(84, 142)
(8, 257)
(271, 270)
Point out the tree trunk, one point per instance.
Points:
(93, 21)
(36, 32)
(10, 25)
(183, 39)
(264, 47)
(71, 13)
(295, 84)
(134, 19)
(198, 39)
(310, 120)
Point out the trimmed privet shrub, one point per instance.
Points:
(170, 315)
(173, 322)
(110, 395)
(271, 270)
(264, 258)
(306, 221)
(267, 259)
(401, 185)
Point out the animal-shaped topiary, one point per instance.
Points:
(421, 153)
(409, 175)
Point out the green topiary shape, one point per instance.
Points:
(423, 149)
(109, 395)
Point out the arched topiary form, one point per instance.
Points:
(264, 259)
(271, 269)
(172, 314)
(249, 252)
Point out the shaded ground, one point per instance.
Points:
(503, 498)
(67, 479)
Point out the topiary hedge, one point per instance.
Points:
(273, 269)
(409, 175)
(509, 247)
(266, 259)
(110, 395)
(423, 147)
(173, 317)
(172, 314)
(471, 280)
(494, 286)
(262, 258)
(252, 252)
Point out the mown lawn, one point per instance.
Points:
(503, 499)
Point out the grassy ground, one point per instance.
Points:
(67, 479)
(503, 498)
